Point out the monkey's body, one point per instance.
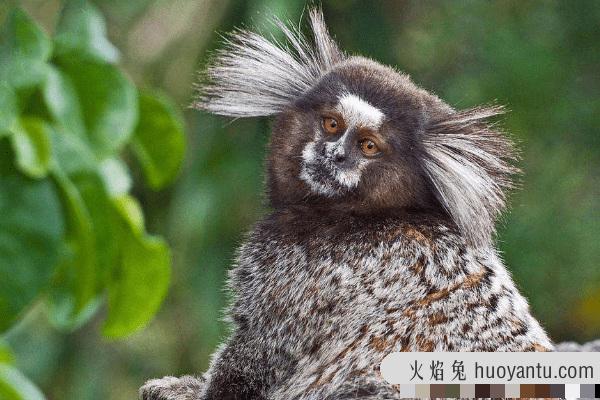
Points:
(321, 298)
(385, 200)
(324, 297)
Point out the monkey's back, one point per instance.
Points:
(334, 293)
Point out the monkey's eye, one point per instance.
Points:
(331, 125)
(368, 147)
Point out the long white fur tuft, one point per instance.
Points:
(253, 76)
(470, 165)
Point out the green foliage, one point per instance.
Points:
(24, 50)
(6, 355)
(15, 386)
(107, 105)
(81, 33)
(136, 290)
(71, 233)
(31, 230)
(8, 107)
(156, 138)
(31, 144)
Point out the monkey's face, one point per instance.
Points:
(347, 137)
(354, 138)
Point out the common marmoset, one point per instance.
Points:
(381, 236)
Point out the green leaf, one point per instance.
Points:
(93, 236)
(31, 230)
(138, 286)
(115, 175)
(15, 386)
(82, 32)
(62, 102)
(73, 297)
(108, 101)
(6, 354)
(74, 284)
(72, 154)
(8, 108)
(131, 212)
(31, 144)
(158, 143)
(93, 227)
(24, 49)
(105, 224)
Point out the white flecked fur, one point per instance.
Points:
(341, 179)
(359, 113)
(469, 164)
(384, 271)
(254, 76)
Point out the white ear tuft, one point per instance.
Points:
(326, 50)
(253, 76)
(469, 163)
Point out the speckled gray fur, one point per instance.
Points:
(330, 303)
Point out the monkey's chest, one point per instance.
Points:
(338, 315)
(324, 296)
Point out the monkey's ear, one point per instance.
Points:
(469, 163)
(253, 76)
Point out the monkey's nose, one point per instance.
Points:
(339, 158)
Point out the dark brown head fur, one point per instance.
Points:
(429, 157)
(394, 181)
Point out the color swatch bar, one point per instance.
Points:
(498, 391)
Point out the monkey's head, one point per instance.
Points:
(353, 134)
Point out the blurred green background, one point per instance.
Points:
(540, 58)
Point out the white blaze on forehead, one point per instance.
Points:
(357, 112)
